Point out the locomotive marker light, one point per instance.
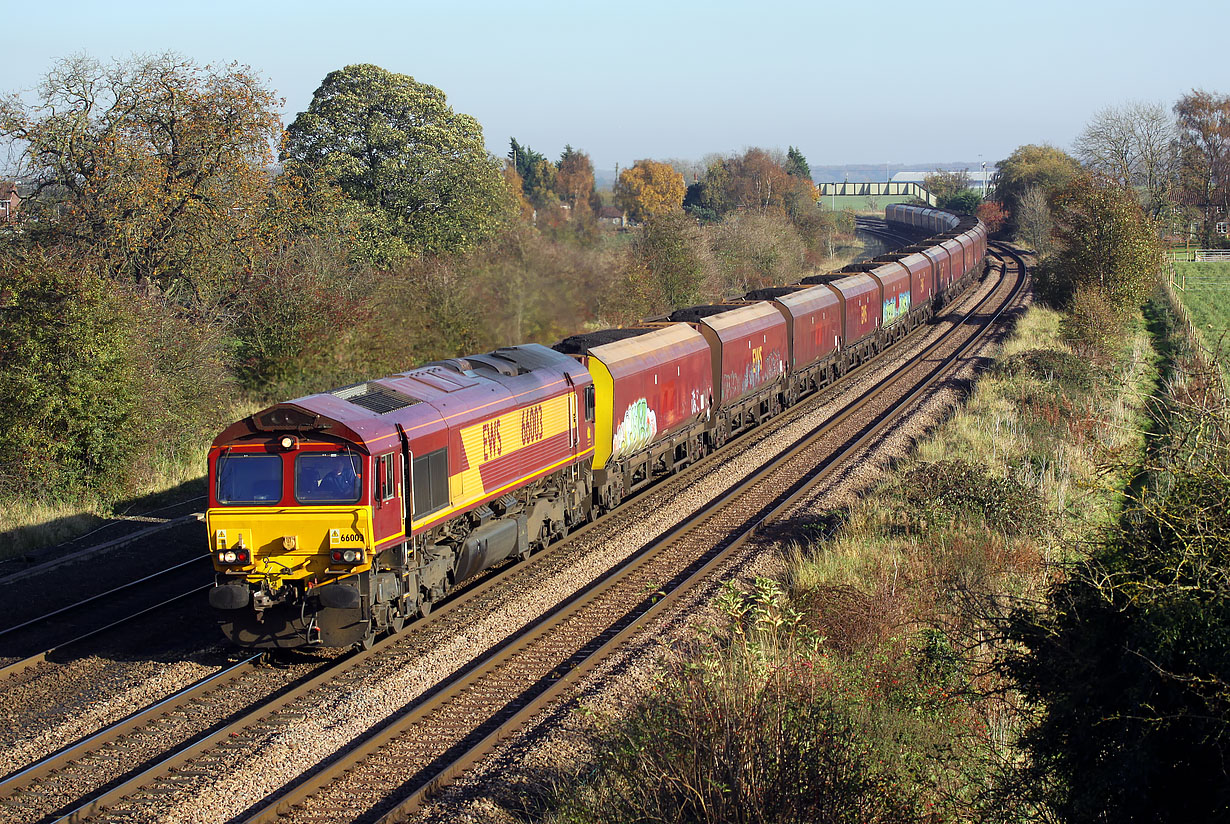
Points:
(288, 442)
(347, 556)
(234, 556)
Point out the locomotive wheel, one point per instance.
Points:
(397, 620)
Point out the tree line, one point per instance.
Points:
(182, 257)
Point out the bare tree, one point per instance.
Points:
(1132, 144)
(1034, 221)
(1155, 138)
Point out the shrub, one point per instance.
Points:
(296, 320)
(1128, 660)
(756, 250)
(943, 492)
(101, 386)
(761, 726)
(1091, 324)
(67, 389)
(1050, 366)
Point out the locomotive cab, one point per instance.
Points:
(295, 523)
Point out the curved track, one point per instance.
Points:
(453, 729)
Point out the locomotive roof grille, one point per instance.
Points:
(374, 397)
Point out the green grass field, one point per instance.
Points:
(1204, 289)
(862, 204)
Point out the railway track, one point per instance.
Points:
(479, 703)
(30, 642)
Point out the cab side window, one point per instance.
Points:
(389, 486)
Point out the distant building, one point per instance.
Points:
(9, 200)
(975, 178)
(611, 215)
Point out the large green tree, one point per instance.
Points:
(417, 171)
(1106, 243)
(1032, 166)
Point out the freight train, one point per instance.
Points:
(339, 516)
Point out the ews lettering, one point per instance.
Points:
(493, 443)
(531, 425)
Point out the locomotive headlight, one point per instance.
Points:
(238, 555)
(346, 556)
(289, 442)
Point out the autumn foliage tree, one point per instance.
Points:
(1204, 155)
(649, 189)
(756, 181)
(993, 214)
(157, 166)
(574, 182)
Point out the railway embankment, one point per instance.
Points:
(882, 665)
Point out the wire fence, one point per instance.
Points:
(1199, 269)
(1200, 255)
(1205, 360)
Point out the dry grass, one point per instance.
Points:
(29, 524)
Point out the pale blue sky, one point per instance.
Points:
(848, 82)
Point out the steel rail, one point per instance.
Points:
(75, 750)
(123, 540)
(39, 657)
(114, 591)
(545, 625)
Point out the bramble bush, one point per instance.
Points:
(760, 722)
(1128, 662)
